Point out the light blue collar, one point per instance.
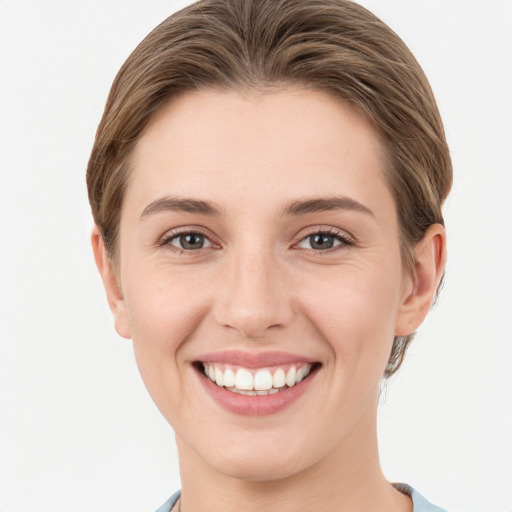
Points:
(419, 502)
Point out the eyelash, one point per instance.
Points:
(169, 237)
(345, 241)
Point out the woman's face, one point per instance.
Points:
(258, 240)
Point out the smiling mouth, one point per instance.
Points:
(256, 381)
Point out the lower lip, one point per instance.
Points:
(263, 405)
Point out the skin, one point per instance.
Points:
(258, 284)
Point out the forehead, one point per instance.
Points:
(280, 144)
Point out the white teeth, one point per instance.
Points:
(290, 376)
(249, 392)
(261, 383)
(243, 379)
(279, 379)
(219, 377)
(262, 380)
(229, 378)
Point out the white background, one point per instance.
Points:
(78, 431)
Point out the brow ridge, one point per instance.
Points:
(296, 207)
(320, 204)
(180, 204)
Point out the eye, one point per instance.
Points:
(189, 241)
(324, 240)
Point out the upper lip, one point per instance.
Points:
(253, 359)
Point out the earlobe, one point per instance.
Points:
(430, 254)
(111, 284)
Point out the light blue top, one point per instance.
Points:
(419, 502)
(166, 507)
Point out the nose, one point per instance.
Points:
(254, 295)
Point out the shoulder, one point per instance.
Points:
(419, 502)
(166, 507)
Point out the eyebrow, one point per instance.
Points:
(297, 207)
(180, 204)
(314, 205)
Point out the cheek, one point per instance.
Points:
(163, 305)
(164, 310)
(355, 309)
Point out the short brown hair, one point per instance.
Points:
(335, 46)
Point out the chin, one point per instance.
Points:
(258, 471)
(258, 463)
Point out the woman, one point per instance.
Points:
(267, 182)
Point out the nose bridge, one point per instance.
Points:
(253, 297)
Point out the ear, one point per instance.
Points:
(111, 283)
(420, 288)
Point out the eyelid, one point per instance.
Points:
(175, 240)
(164, 240)
(346, 238)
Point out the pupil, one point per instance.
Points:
(191, 241)
(322, 241)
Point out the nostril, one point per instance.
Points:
(251, 332)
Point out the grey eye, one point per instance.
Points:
(190, 241)
(323, 241)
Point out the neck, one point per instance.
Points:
(349, 478)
